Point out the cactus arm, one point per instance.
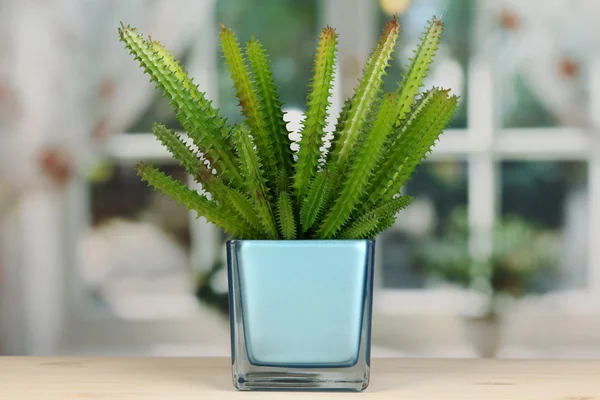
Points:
(318, 102)
(375, 221)
(379, 182)
(270, 105)
(388, 209)
(422, 147)
(248, 101)
(285, 216)
(417, 137)
(360, 229)
(418, 67)
(179, 149)
(192, 109)
(194, 201)
(365, 94)
(232, 200)
(339, 127)
(313, 203)
(255, 180)
(241, 203)
(361, 169)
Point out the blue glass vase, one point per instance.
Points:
(300, 313)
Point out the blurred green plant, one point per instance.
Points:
(524, 258)
(207, 293)
(259, 188)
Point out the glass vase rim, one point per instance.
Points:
(370, 241)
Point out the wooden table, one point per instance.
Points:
(210, 378)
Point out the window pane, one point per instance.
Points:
(135, 255)
(542, 60)
(439, 189)
(450, 66)
(550, 200)
(288, 30)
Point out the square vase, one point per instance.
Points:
(300, 313)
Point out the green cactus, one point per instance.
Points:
(192, 200)
(285, 216)
(359, 172)
(259, 188)
(365, 95)
(195, 113)
(314, 202)
(256, 184)
(271, 106)
(316, 113)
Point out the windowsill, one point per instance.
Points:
(445, 302)
(527, 333)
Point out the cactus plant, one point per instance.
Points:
(254, 185)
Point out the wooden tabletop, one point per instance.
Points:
(25, 378)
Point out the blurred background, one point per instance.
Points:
(494, 258)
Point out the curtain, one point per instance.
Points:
(66, 85)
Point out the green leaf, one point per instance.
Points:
(195, 113)
(359, 172)
(376, 220)
(238, 202)
(339, 127)
(315, 200)
(360, 229)
(376, 187)
(231, 199)
(194, 201)
(285, 214)
(270, 105)
(418, 68)
(365, 95)
(282, 182)
(180, 151)
(366, 228)
(388, 209)
(249, 102)
(417, 136)
(318, 102)
(256, 183)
